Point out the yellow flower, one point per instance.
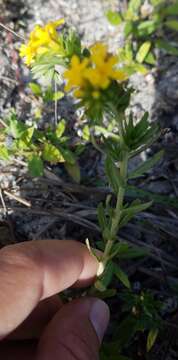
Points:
(102, 71)
(74, 75)
(98, 53)
(42, 39)
(94, 73)
(27, 52)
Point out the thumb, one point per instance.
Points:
(75, 332)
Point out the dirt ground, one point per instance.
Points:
(61, 209)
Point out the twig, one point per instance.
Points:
(3, 203)
(59, 213)
(6, 78)
(20, 162)
(17, 198)
(3, 123)
(55, 104)
(9, 223)
(44, 229)
(12, 31)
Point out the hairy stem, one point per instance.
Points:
(119, 203)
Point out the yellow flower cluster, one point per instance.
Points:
(97, 70)
(42, 39)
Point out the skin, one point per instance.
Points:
(34, 324)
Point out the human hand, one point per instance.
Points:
(34, 324)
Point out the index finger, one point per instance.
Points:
(35, 270)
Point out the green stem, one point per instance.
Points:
(119, 204)
(55, 105)
(94, 143)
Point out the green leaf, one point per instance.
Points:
(152, 336)
(86, 133)
(157, 2)
(135, 67)
(74, 171)
(150, 59)
(146, 27)
(36, 88)
(35, 166)
(133, 191)
(146, 165)
(165, 45)
(52, 154)
(126, 251)
(113, 17)
(16, 128)
(60, 128)
(128, 28)
(171, 10)
(44, 67)
(27, 135)
(131, 211)
(4, 153)
(128, 52)
(109, 293)
(134, 252)
(68, 156)
(122, 276)
(172, 24)
(48, 94)
(143, 51)
(72, 44)
(105, 279)
(134, 6)
(126, 331)
(58, 95)
(113, 174)
(109, 351)
(102, 217)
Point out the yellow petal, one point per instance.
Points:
(120, 75)
(75, 61)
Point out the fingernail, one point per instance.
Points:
(99, 317)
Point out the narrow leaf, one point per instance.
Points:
(113, 174)
(101, 217)
(172, 24)
(172, 9)
(58, 95)
(74, 171)
(147, 165)
(152, 336)
(165, 45)
(146, 27)
(36, 88)
(35, 166)
(143, 51)
(16, 128)
(105, 279)
(52, 154)
(129, 213)
(113, 17)
(4, 154)
(60, 128)
(134, 5)
(122, 276)
(128, 28)
(150, 59)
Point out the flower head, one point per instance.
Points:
(42, 39)
(96, 72)
(102, 72)
(75, 75)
